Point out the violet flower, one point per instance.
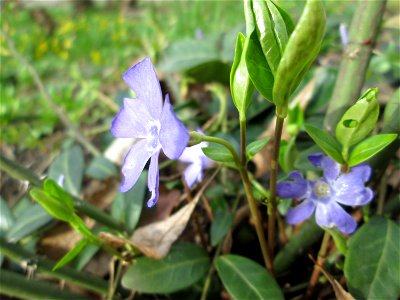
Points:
(154, 125)
(325, 195)
(197, 161)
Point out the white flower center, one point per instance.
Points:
(153, 130)
(322, 189)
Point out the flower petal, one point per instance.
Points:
(331, 214)
(173, 134)
(293, 189)
(134, 163)
(153, 179)
(330, 167)
(193, 173)
(142, 79)
(131, 120)
(363, 171)
(301, 212)
(191, 154)
(316, 158)
(350, 191)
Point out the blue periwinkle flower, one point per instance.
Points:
(197, 161)
(325, 195)
(154, 125)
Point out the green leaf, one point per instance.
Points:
(101, 168)
(71, 254)
(369, 147)
(326, 142)
(30, 219)
(127, 207)
(221, 225)
(254, 147)
(258, 68)
(58, 193)
(301, 50)
(184, 266)
(216, 153)
(245, 279)
(359, 119)
(70, 165)
(271, 31)
(52, 205)
(6, 217)
(372, 265)
(340, 240)
(242, 88)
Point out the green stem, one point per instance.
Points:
(247, 185)
(19, 172)
(84, 280)
(272, 183)
(353, 67)
(250, 198)
(207, 282)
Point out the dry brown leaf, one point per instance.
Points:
(155, 239)
(340, 292)
(118, 149)
(263, 158)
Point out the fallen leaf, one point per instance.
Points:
(155, 240)
(118, 149)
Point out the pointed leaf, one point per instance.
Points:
(359, 119)
(184, 266)
(369, 147)
(245, 279)
(71, 254)
(216, 153)
(7, 219)
(372, 265)
(221, 225)
(326, 142)
(256, 146)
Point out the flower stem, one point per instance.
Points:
(247, 185)
(272, 183)
(250, 198)
(320, 261)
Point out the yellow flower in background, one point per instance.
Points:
(41, 49)
(66, 27)
(95, 56)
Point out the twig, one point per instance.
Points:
(39, 83)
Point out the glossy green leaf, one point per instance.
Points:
(372, 265)
(242, 88)
(288, 155)
(245, 279)
(369, 147)
(359, 119)
(7, 219)
(127, 207)
(27, 221)
(69, 165)
(258, 68)
(295, 120)
(71, 254)
(58, 193)
(326, 142)
(101, 168)
(271, 31)
(221, 225)
(182, 267)
(254, 147)
(301, 50)
(286, 18)
(216, 153)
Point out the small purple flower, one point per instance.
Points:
(325, 194)
(154, 125)
(344, 35)
(197, 161)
